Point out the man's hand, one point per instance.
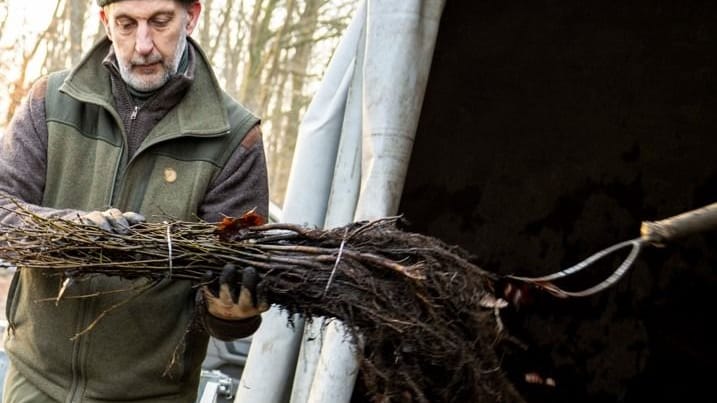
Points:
(112, 220)
(224, 301)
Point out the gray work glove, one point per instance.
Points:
(112, 220)
(224, 301)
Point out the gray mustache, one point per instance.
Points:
(151, 59)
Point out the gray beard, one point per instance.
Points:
(170, 70)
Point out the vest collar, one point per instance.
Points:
(201, 112)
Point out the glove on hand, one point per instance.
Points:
(223, 300)
(112, 220)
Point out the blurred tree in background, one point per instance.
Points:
(268, 54)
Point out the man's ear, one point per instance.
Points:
(193, 11)
(105, 22)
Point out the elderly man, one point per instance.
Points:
(140, 128)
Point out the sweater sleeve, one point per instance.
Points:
(23, 160)
(242, 185)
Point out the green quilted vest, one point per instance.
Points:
(140, 346)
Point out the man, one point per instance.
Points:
(139, 128)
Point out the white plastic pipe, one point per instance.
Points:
(392, 81)
(308, 361)
(395, 79)
(340, 210)
(337, 367)
(374, 87)
(268, 375)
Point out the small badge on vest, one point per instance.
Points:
(170, 175)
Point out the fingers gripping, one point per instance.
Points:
(117, 221)
(224, 301)
(253, 291)
(228, 284)
(249, 282)
(133, 218)
(113, 220)
(96, 218)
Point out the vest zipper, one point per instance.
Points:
(133, 116)
(118, 174)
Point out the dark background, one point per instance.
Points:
(550, 130)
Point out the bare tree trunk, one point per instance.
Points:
(225, 16)
(272, 58)
(298, 65)
(274, 143)
(259, 35)
(78, 14)
(233, 50)
(205, 29)
(18, 88)
(57, 43)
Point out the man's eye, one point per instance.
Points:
(160, 23)
(125, 26)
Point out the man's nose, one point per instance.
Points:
(143, 42)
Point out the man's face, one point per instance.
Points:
(149, 37)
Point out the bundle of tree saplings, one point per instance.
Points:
(415, 307)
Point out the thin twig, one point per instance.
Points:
(104, 313)
(169, 247)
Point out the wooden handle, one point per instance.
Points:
(688, 223)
